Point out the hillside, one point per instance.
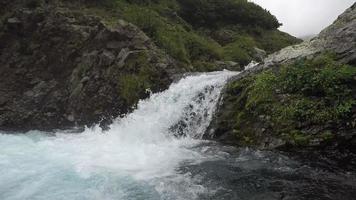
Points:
(301, 98)
(197, 32)
(72, 63)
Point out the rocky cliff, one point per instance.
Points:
(338, 38)
(73, 63)
(301, 97)
(60, 67)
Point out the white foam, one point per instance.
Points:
(140, 153)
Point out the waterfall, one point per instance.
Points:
(137, 158)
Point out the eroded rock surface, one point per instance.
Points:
(60, 68)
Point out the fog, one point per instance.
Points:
(305, 17)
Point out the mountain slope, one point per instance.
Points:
(60, 68)
(197, 33)
(66, 63)
(302, 97)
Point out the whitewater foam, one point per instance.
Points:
(137, 158)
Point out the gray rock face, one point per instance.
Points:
(340, 38)
(60, 68)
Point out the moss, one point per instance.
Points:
(240, 50)
(131, 87)
(297, 138)
(205, 66)
(296, 102)
(273, 40)
(326, 136)
(140, 76)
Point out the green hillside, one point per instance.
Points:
(197, 32)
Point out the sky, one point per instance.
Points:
(305, 17)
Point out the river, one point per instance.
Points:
(157, 152)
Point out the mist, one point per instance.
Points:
(305, 17)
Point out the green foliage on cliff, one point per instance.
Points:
(241, 49)
(183, 45)
(303, 102)
(187, 29)
(217, 13)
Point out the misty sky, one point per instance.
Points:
(305, 17)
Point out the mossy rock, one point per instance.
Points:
(300, 103)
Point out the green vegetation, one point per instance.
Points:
(132, 86)
(300, 103)
(198, 32)
(217, 13)
(273, 40)
(183, 45)
(241, 49)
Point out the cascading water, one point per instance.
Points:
(156, 153)
(138, 158)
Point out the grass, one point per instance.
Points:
(309, 94)
(191, 47)
(184, 45)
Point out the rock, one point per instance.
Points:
(70, 118)
(3, 100)
(84, 80)
(338, 38)
(13, 20)
(60, 68)
(14, 23)
(124, 53)
(229, 65)
(259, 54)
(123, 23)
(106, 58)
(115, 45)
(234, 123)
